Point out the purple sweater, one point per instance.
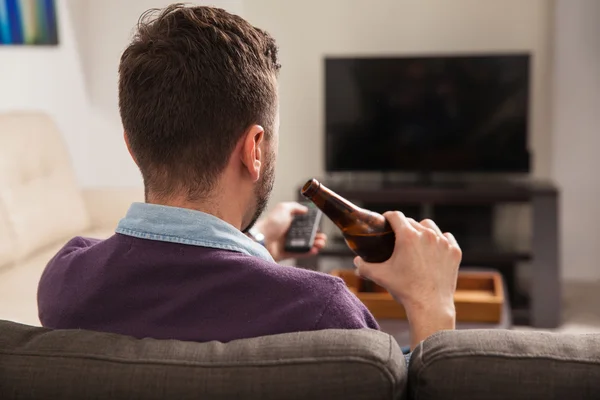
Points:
(164, 290)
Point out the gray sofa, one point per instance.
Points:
(38, 363)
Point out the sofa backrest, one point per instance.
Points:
(500, 364)
(38, 363)
(40, 201)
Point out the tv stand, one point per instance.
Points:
(467, 209)
(422, 180)
(425, 179)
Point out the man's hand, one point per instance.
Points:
(421, 274)
(275, 226)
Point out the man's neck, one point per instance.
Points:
(214, 206)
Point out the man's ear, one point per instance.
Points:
(251, 155)
(129, 147)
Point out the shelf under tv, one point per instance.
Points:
(482, 255)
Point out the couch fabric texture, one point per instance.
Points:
(501, 364)
(37, 363)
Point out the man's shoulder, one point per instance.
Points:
(80, 246)
(82, 242)
(319, 280)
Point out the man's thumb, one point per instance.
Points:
(297, 208)
(365, 269)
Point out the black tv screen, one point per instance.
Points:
(427, 114)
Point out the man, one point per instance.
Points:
(198, 101)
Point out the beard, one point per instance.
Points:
(262, 191)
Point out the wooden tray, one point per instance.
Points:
(479, 296)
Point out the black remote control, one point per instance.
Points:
(300, 237)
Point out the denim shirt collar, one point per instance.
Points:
(185, 226)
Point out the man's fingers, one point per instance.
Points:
(319, 243)
(426, 226)
(320, 235)
(451, 239)
(398, 221)
(297, 208)
(416, 225)
(429, 229)
(320, 238)
(431, 225)
(365, 269)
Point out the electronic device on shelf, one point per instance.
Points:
(428, 114)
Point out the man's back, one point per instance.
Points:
(164, 290)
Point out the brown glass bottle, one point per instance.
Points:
(367, 233)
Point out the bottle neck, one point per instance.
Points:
(339, 210)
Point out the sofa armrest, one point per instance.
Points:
(500, 364)
(107, 206)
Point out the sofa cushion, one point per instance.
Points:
(19, 282)
(37, 363)
(498, 364)
(38, 191)
(7, 240)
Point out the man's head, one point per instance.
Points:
(198, 102)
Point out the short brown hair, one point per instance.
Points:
(191, 82)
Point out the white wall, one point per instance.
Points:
(576, 135)
(50, 79)
(311, 29)
(108, 27)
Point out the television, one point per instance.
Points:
(427, 114)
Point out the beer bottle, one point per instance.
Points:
(368, 234)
